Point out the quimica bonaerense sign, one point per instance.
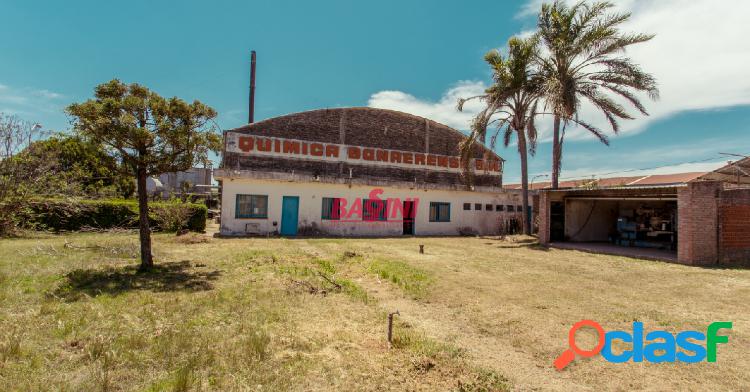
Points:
(275, 147)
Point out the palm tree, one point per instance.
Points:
(511, 104)
(585, 60)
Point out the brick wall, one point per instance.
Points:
(697, 223)
(544, 217)
(366, 127)
(734, 227)
(534, 200)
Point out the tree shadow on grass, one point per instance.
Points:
(534, 246)
(528, 243)
(537, 246)
(174, 276)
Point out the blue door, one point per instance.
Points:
(289, 215)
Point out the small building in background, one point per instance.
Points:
(155, 188)
(193, 184)
(691, 218)
(195, 181)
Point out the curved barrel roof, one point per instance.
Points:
(364, 127)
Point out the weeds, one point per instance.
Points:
(126, 251)
(413, 281)
(484, 380)
(257, 345)
(10, 348)
(406, 337)
(192, 239)
(321, 279)
(354, 290)
(184, 378)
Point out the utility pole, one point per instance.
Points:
(251, 111)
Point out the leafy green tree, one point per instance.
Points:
(82, 167)
(511, 105)
(585, 60)
(19, 179)
(149, 135)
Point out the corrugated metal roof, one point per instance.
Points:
(664, 179)
(630, 187)
(733, 172)
(654, 180)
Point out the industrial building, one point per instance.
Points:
(360, 172)
(195, 181)
(691, 218)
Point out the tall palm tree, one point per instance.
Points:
(511, 104)
(585, 60)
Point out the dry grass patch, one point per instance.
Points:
(216, 315)
(510, 304)
(309, 314)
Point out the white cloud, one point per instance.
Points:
(48, 94)
(30, 103)
(699, 57)
(443, 111)
(531, 8)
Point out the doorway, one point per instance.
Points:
(408, 217)
(557, 221)
(289, 215)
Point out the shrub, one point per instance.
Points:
(74, 215)
(172, 216)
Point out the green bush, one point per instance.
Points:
(74, 215)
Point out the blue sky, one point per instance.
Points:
(415, 56)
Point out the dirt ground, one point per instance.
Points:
(309, 314)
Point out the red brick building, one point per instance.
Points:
(698, 218)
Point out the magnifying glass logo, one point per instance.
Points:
(570, 354)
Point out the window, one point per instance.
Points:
(251, 206)
(478, 206)
(467, 206)
(374, 210)
(488, 207)
(519, 208)
(440, 212)
(331, 208)
(499, 207)
(509, 208)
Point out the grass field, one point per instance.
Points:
(310, 314)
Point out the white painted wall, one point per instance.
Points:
(310, 205)
(590, 220)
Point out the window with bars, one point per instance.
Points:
(331, 208)
(251, 206)
(374, 210)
